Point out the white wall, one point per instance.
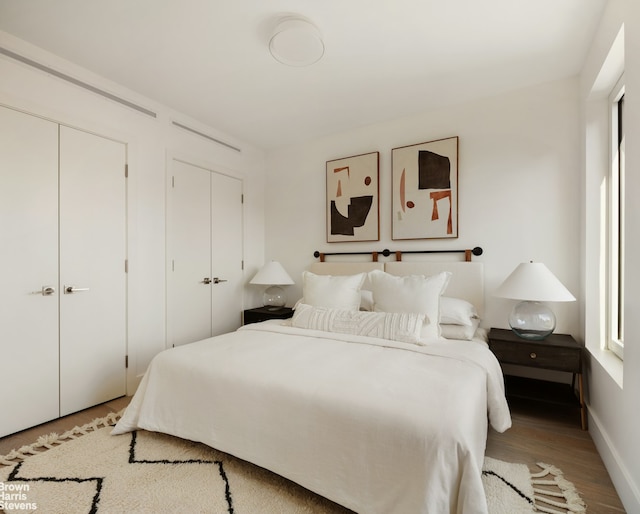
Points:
(518, 182)
(612, 385)
(149, 141)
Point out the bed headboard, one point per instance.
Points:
(345, 268)
(467, 277)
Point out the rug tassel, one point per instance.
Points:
(572, 503)
(49, 441)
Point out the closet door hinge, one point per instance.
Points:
(242, 265)
(242, 199)
(173, 181)
(126, 171)
(126, 361)
(126, 265)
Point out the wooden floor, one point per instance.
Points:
(61, 425)
(540, 433)
(547, 433)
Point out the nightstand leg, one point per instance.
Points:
(583, 407)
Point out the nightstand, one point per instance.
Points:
(558, 352)
(264, 313)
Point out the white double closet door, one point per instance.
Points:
(62, 273)
(205, 253)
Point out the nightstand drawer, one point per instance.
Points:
(537, 355)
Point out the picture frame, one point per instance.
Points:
(353, 198)
(425, 190)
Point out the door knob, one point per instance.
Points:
(48, 290)
(206, 280)
(217, 280)
(74, 289)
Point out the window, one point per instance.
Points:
(615, 228)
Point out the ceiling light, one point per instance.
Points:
(296, 42)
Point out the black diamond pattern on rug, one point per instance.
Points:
(134, 460)
(138, 455)
(509, 485)
(13, 477)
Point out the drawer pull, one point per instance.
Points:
(533, 355)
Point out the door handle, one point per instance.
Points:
(74, 289)
(217, 280)
(206, 280)
(48, 290)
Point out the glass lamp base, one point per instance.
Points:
(274, 297)
(532, 320)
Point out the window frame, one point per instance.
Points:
(615, 223)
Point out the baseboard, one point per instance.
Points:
(622, 480)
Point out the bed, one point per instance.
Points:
(364, 406)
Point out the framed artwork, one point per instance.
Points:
(353, 198)
(425, 190)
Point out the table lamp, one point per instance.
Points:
(273, 275)
(533, 283)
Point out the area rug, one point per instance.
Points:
(88, 471)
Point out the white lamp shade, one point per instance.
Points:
(533, 281)
(272, 274)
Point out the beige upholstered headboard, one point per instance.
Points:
(345, 268)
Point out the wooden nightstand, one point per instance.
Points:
(559, 352)
(264, 313)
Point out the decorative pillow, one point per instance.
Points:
(403, 327)
(465, 332)
(413, 293)
(333, 291)
(456, 311)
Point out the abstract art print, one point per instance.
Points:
(353, 198)
(425, 190)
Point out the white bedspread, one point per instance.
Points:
(376, 426)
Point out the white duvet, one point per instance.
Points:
(374, 425)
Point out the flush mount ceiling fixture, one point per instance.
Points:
(296, 42)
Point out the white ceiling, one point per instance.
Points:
(384, 59)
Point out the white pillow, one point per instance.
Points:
(366, 300)
(456, 311)
(464, 332)
(403, 327)
(412, 293)
(333, 291)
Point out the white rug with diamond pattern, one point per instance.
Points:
(88, 471)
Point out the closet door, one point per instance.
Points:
(226, 253)
(189, 295)
(92, 270)
(28, 266)
(205, 277)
